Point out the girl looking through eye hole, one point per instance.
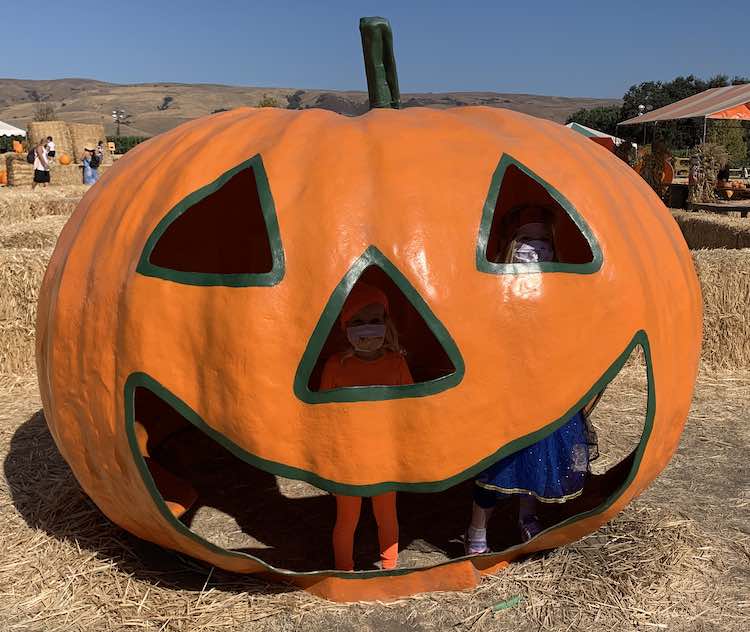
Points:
(554, 469)
(373, 358)
(531, 230)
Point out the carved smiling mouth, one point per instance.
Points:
(235, 503)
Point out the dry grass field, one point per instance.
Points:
(678, 558)
(87, 101)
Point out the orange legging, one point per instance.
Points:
(347, 517)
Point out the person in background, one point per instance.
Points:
(50, 149)
(41, 165)
(374, 358)
(722, 178)
(88, 171)
(97, 155)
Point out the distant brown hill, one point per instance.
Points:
(157, 107)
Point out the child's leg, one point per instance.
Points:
(526, 508)
(476, 534)
(384, 508)
(527, 519)
(347, 517)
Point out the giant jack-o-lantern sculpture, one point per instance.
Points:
(198, 282)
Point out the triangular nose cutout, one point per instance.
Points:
(433, 358)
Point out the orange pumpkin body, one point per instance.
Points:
(412, 184)
(3, 177)
(64, 159)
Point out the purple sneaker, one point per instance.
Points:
(530, 527)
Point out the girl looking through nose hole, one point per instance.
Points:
(373, 358)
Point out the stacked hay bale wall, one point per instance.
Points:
(87, 136)
(18, 206)
(21, 272)
(41, 232)
(65, 174)
(71, 139)
(725, 284)
(708, 230)
(59, 130)
(30, 222)
(20, 172)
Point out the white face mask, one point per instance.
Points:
(366, 337)
(532, 251)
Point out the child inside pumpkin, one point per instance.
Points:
(374, 358)
(554, 469)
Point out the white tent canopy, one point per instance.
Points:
(593, 133)
(9, 130)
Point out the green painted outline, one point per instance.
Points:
(135, 380)
(255, 164)
(577, 127)
(329, 319)
(488, 212)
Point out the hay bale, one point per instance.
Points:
(16, 350)
(13, 157)
(65, 174)
(21, 273)
(725, 283)
(59, 131)
(20, 173)
(709, 230)
(86, 135)
(41, 232)
(18, 205)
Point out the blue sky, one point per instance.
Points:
(571, 48)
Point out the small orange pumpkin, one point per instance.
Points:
(228, 262)
(3, 177)
(65, 159)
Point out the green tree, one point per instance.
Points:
(677, 135)
(730, 134)
(603, 118)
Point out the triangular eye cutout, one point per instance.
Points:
(432, 357)
(225, 233)
(517, 198)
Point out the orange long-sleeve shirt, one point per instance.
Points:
(390, 369)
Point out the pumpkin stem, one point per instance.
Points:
(380, 63)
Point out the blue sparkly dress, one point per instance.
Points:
(551, 470)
